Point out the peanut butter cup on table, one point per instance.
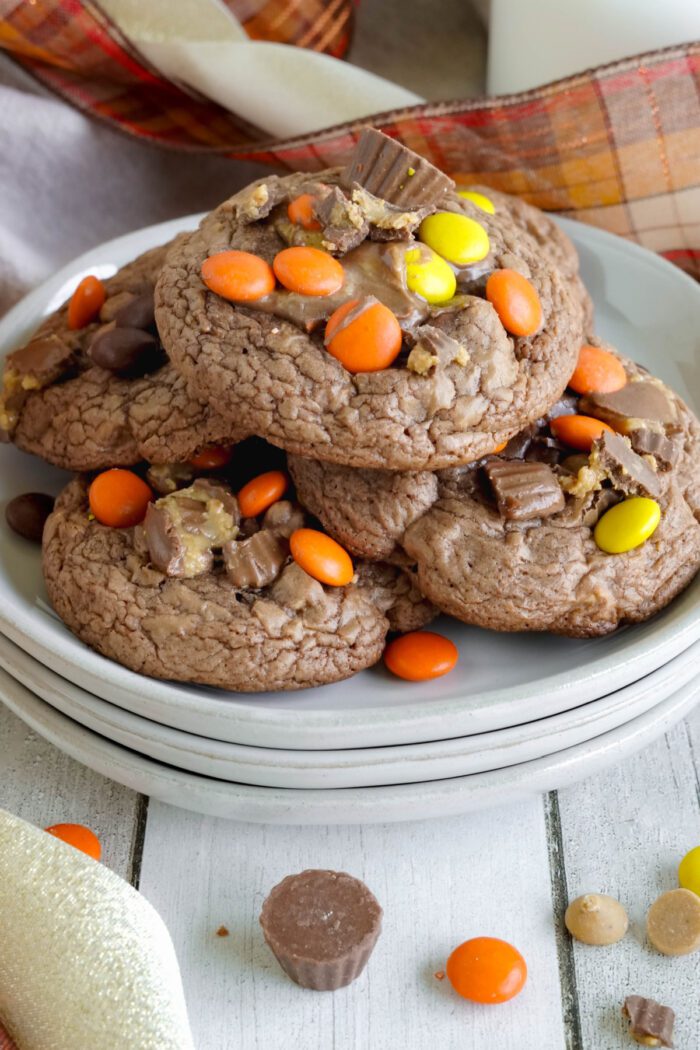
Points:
(370, 315)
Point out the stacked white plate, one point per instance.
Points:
(521, 713)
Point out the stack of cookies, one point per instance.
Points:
(351, 401)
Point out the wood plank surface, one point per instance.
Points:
(439, 883)
(44, 786)
(623, 832)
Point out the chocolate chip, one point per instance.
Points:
(389, 170)
(27, 514)
(138, 312)
(650, 1022)
(125, 351)
(648, 443)
(257, 561)
(524, 490)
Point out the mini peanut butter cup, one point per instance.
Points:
(321, 927)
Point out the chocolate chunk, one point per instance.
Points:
(567, 405)
(518, 445)
(284, 517)
(628, 472)
(45, 359)
(297, 590)
(524, 490)
(321, 927)
(169, 477)
(650, 1023)
(257, 561)
(650, 443)
(640, 400)
(27, 514)
(389, 170)
(544, 449)
(125, 351)
(183, 529)
(138, 312)
(344, 226)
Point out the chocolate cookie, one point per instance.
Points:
(104, 394)
(196, 593)
(510, 542)
(461, 383)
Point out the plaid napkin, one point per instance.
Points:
(617, 146)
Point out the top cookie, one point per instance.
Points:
(59, 403)
(451, 379)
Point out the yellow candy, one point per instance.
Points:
(456, 238)
(689, 871)
(429, 276)
(478, 198)
(627, 525)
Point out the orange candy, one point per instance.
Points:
(369, 343)
(499, 448)
(300, 211)
(260, 493)
(321, 557)
(578, 431)
(487, 970)
(240, 276)
(86, 302)
(212, 458)
(516, 302)
(119, 498)
(421, 655)
(308, 271)
(79, 836)
(597, 372)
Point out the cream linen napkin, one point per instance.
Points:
(85, 962)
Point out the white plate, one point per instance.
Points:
(368, 767)
(260, 805)
(647, 307)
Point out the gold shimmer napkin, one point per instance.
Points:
(86, 963)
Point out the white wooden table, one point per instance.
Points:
(507, 872)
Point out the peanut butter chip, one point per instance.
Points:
(673, 923)
(596, 919)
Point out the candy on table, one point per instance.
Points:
(651, 1024)
(213, 457)
(516, 302)
(261, 492)
(597, 372)
(321, 557)
(578, 431)
(596, 918)
(119, 498)
(455, 237)
(627, 525)
(308, 271)
(487, 970)
(86, 302)
(364, 335)
(26, 514)
(420, 656)
(79, 836)
(673, 922)
(689, 871)
(479, 200)
(321, 927)
(240, 276)
(428, 275)
(300, 211)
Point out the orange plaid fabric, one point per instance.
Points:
(617, 146)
